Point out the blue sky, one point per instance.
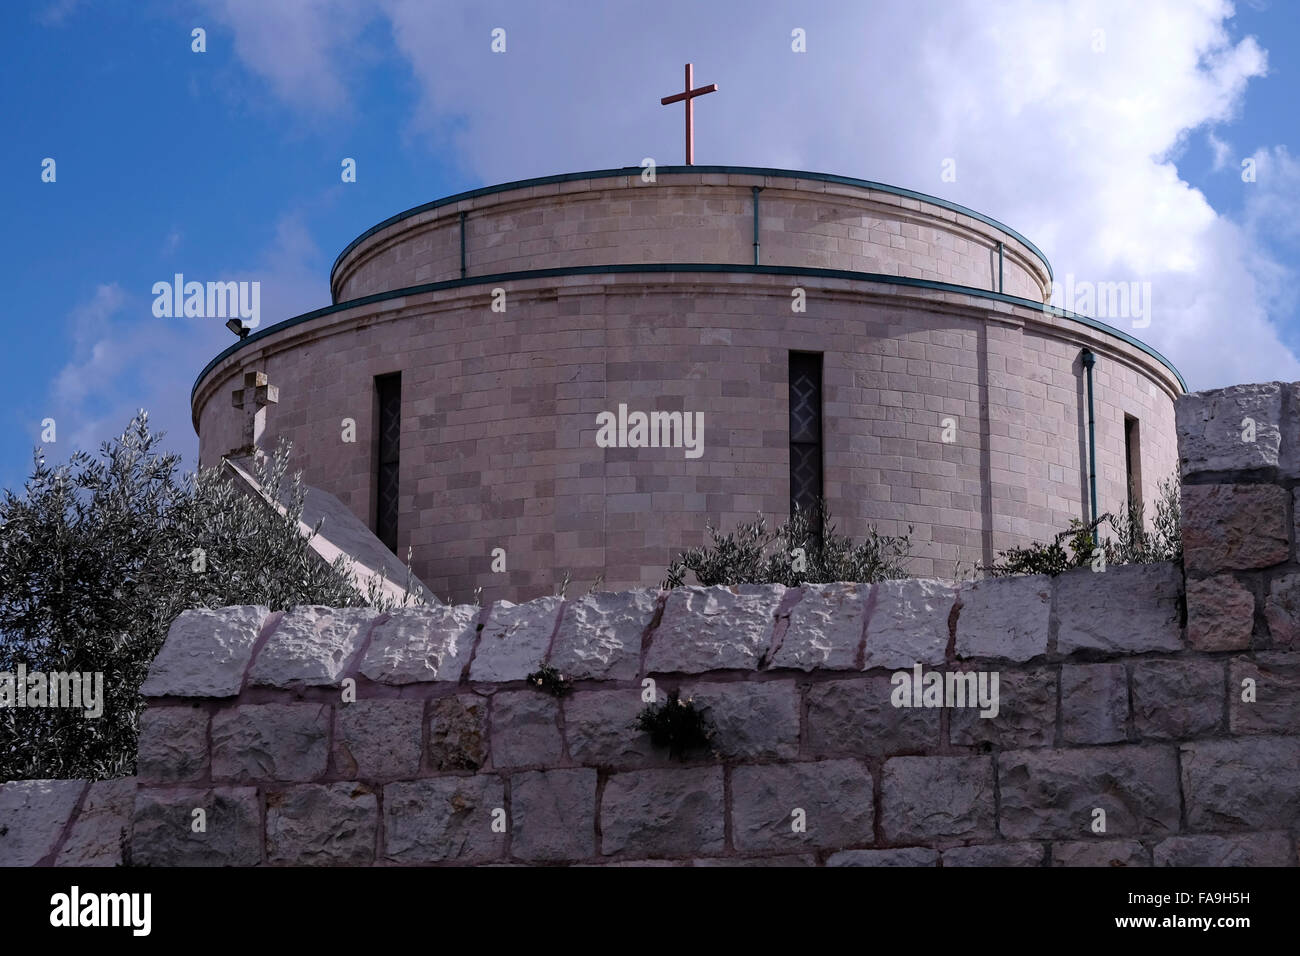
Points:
(1120, 163)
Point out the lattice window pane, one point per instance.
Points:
(805, 430)
(389, 388)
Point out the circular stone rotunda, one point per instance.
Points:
(578, 374)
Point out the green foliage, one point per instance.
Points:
(676, 724)
(804, 548)
(550, 680)
(1132, 543)
(96, 561)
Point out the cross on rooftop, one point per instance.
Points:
(689, 95)
(253, 398)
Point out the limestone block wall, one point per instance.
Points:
(689, 215)
(1104, 703)
(499, 411)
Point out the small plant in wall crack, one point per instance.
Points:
(676, 724)
(550, 680)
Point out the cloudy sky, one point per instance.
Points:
(1119, 137)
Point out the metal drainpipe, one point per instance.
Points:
(1089, 360)
(755, 189)
(462, 243)
(1000, 247)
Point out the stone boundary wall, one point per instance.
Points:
(1178, 716)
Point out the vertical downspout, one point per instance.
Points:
(1089, 360)
(755, 189)
(1000, 248)
(462, 243)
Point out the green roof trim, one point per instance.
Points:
(704, 267)
(670, 170)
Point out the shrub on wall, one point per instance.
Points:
(806, 548)
(675, 724)
(98, 557)
(1132, 542)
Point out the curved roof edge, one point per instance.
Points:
(651, 267)
(729, 170)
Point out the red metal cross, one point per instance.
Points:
(688, 95)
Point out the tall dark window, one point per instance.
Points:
(1132, 460)
(805, 430)
(388, 389)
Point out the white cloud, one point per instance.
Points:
(300, 47)
(1074, 148)
(1221, 149)
(123, 358)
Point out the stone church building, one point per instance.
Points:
(489, 375)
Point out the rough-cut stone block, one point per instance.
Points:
(1052, 793)
(825, 628)
(663, 812)
(1282, 610)
(856, 717)
(1177, 699)
(600, 728)
(458, 732)
(33, 814)
(443, 818)
(750, 720)
(173, 744)
(322, 825)
(102, 827)
(1126, 609)
(715, 628)
(1005, 617)
(1289, 459)
(995, 854)
(927, 798)
(908, 856)
(553, 815)
(1276, 708)
(311, 645)
(600, 634)
(1026, 714)
(525, 731)
(287, 742)
(1233, 527)
(909, 623)
(1094, 703)
(834, 795)
(162, 832)
(1242, 784)
(1245, 849)
(1100, 853)
(421, 644)
(1213, 427)
(1220, 614)
(378, 739)
(206, 653)
(515, 639)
